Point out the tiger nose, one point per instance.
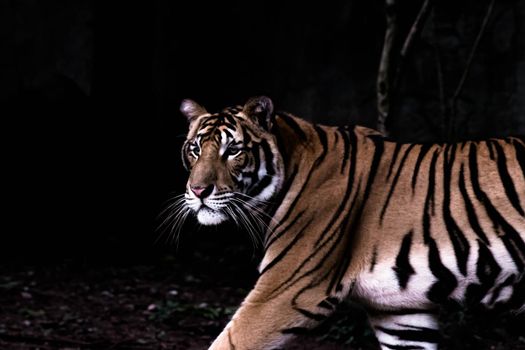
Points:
(202, 191)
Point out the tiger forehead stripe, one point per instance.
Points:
(227, 123)
(218, 123)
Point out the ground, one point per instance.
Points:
(167, 305)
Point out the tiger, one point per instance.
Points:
(400, 228)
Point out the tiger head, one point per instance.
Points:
(233, 160)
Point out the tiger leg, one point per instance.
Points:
(406, 331)
(265, 321)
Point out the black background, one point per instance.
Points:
(90, 94)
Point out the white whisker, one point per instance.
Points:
(256, 215)
(175, 215)
(262, 201)
(255, 208)
(248, 225)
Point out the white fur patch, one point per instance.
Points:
(207, 216)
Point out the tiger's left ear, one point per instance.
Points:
(191, 109)
(260, 110)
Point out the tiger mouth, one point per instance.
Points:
(209, 216)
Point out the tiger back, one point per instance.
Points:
(400, 228)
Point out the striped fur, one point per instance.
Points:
(400, 228)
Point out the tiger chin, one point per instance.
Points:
(400, 228)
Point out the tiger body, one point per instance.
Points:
(400, 228)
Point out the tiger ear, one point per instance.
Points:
(260, 110)
(191, 109)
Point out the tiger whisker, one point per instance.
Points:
(177, 226)
(239, 194)
(257, 209)
(247, 223)
(174, 210)
(175, 201)
(257, 214)
(176, 214)
(241, 222)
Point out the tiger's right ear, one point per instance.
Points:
(260, 109)
(192, 109)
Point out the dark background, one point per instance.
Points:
(91, 137)
(90, 94)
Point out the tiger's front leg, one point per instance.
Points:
(414, 330)
(269, 317)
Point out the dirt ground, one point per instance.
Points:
(164, 306)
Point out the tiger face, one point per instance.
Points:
(233, 160)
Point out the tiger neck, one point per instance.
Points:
(321, 197)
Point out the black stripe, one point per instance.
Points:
(282, 254)
(311, 315)
(260, 186)
(268, 155)
(347, 252)
(282, 192)
(336, 140)
(346, 143)
(290, 281)
(446, 281)
(322, 261)
(457, 237)
(270, 171)
(206, 135)
(323, 139)
(292, 124)
(403, 269)
(246, 134)
(394, 182)
(184, 152)
(506, 180)
(228, 125)
(340, 210)
(257, 163)
(393, 160)
(429, 200)
(230, 118)
(511, 239)
(341, 266)
(251, 174)
(290, 224)
(325, 305)
(374, 259)
(316, 280)
(491, 151)
(471, 213)
(487, 268)
(487, 271)
(508, 281)
(421, 334)
(520, 154)
(333, 300)
(314, 167)
(296, 330)
(516, 301)
(210, 121)
(228, 133)
(296, 199)
(423, 150)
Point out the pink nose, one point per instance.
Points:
(202, 191)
